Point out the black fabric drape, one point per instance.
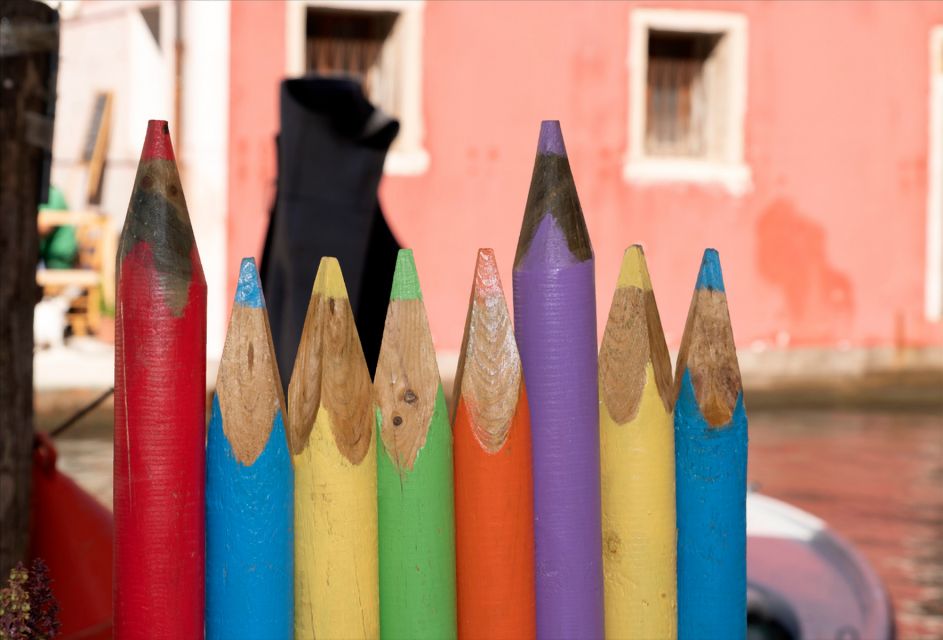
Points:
(331, 149)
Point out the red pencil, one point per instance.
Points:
(494, 534)
(160, 407)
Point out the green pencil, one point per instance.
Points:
(414, 473)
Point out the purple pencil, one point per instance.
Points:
(555, 324)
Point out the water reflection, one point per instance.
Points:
(876, 478)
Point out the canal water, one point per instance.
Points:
(876, 478)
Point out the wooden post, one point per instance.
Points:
(414, 473)
(494, 516)
(711, 467)
(638, 462)
(249, 489)
(29, 57)
(555, 324)
(160, 407)
(332, 417)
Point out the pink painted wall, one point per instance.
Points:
(254, 75)
(827, 249)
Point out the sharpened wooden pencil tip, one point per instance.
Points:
(488, 377)
(157, 145)
(329, 281)
(330, 371)
(707, 350)
(405, 278)
(633, 338)
(247, 370)
(249, 287)
(710, 275)
(487, 281)
(550, 141)
(157, 217)
(552, 201)
(407, 378)
(634, 271)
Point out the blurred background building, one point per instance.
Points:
(803, 140)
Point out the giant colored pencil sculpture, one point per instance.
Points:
(555, 324)
(160, 407)
(494, 518)
(332, 417)
(414, 473)
(638, 463)
(249, 497)
(711, 465)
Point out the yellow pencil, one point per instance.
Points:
(331, 419)
(637, 462)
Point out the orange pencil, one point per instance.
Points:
(494, 531)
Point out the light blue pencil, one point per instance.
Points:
(711, 468)
(249, 488)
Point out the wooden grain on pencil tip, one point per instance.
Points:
(707, 350)
(330, 371)
(489, 369)
(248, 384)
(406, 381)
(633, 337)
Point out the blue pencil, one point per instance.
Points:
(249, 488)
(711, 467)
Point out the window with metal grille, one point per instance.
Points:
(378, 42)
(351, 43)
(678, 93)
(687, 98)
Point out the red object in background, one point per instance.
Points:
(73, 533)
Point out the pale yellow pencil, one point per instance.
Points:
(331, 420)
(637, 462)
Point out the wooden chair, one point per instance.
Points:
(94, 272)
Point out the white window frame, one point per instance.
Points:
(730, 171)
(408, 156)
(934, 274)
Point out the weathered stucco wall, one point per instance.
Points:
(827, 249)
